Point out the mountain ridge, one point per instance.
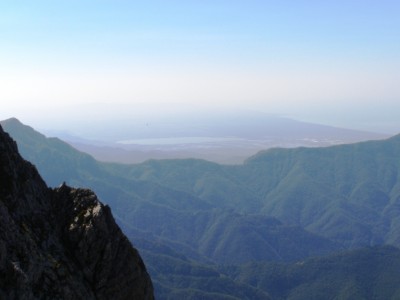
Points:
(370, 274)
(227, 138)
(176, 202)
(60, 243)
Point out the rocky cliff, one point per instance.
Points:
(60, 243)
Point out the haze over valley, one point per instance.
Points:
(229, 137)
(86, 67)
(207, 150)
(207, 230)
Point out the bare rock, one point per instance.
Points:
(61, 243)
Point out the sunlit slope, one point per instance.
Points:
(349, 193)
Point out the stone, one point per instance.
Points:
(60, 243)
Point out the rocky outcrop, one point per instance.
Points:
(60, 243)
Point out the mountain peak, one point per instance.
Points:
(395, 137)
(12, 120)
(60, 243)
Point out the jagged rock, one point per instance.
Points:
(60, 243)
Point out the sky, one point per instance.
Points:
(64, 63)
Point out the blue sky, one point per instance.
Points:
(334, 62)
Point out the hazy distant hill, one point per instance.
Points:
(223, 138)
(202, 213)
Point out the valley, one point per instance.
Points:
(227, 138)
(213, 231)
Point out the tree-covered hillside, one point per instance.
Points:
(192, 218)
(348, 193)
(370, 273)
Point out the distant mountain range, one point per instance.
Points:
(227, 138)
(203, 228)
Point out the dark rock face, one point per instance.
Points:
(60, 243)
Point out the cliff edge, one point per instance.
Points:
(60, 243)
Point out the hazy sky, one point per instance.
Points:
(334, 62)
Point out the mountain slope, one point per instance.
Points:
(371, 273)
(60, 243)
(209, 214)
(62, 160)
(176, 215)
(348, 193)
(194, 227)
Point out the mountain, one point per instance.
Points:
(347, 193)
(227, 138)
(177, 219)
(169, 213)
(368, 274)
(137, 206)
(192, 217)
(60, 243)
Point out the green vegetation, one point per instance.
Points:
(266, 219)
(370, 273)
